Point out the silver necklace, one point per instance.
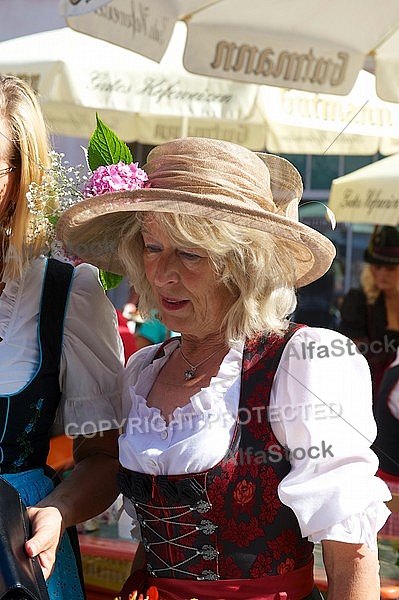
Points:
(189, 373)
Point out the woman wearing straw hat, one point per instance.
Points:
(242, 444)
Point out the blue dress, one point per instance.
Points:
(26, 418)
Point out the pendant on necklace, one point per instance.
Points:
(189, 374)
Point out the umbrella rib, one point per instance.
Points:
(189, 15)
(388, 35)
(347, 125)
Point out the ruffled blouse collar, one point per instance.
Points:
(208, 401)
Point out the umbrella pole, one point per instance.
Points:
(348, 258)
(184, 127)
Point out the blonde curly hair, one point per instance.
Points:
(259, 275)
(368, 284)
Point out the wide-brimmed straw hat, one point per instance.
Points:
(209, 178)
(383, 247)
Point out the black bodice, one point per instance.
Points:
(27, 416)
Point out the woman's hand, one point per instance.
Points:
(89, 489)
(47, 529)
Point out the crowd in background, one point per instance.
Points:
(369, 315)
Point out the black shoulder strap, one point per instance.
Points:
(161, 350)
(267, 347)
(52, 310)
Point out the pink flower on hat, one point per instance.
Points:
(115, 178)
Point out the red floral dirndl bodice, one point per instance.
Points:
(228, 523)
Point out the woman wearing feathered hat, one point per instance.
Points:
(370, 314)
(243, 443)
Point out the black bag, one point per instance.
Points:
(21, 577)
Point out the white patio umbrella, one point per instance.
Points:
(314, 45)
(368, 195)
(76, 75)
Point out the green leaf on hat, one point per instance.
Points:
(109, 280)
(53, 219)
(105, 147)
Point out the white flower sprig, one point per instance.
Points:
(109, 168)
(61, 187)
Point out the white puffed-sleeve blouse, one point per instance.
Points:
(92, 351)
(320, 409)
